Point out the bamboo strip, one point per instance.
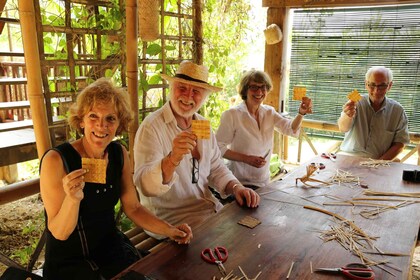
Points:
(384, 199)
(371, 192)
(388, 254)
(351, 203)
(375, 163)
(290, 270)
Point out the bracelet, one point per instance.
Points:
(233, 188)
(301, 114)
(169, 158)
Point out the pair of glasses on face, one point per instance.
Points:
(372, 86)
(195, 170)
(255, 88)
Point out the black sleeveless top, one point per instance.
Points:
(96, 248)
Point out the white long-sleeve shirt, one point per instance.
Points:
(239, 132)
(179, 201)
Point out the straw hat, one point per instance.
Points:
(193, 74)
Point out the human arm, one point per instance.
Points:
(401, 137)
(347, 115)
(229, 128)
(142, 217)
(61, 194)
(256, 161)
(152, 144)
(393, 151)
(304, 108)
(182, 145)
(243, 194)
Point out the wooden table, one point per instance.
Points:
(290, 233)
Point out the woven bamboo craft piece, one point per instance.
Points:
(148, 11)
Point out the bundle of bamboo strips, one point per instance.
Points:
(310, 169)
(375, 163)
(350, 236)
(344, 177)
(369, 214)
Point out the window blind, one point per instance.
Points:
(333, 48)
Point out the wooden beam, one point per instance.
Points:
(18, 190)
(33, 69)
(131, 15)
(332, 3)
(272, 66)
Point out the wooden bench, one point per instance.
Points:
(143, 242)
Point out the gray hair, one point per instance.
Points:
(375, 69)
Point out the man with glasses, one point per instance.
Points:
(173, 169)
(376, 126)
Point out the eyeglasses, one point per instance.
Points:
(379, 87)
(256, 88)
(195, 170)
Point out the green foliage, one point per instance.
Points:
(226, 27)
(33, 231)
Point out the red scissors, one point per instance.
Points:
(356, 271)
(330, 156)
(220, 257)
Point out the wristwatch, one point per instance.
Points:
(411, 176)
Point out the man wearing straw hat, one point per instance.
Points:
(173, 168)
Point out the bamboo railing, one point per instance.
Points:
(333, 127)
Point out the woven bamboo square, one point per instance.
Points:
(201, 128)
(96, 170)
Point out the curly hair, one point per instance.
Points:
(253, 76)
(102, 91)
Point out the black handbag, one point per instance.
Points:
(13, 273)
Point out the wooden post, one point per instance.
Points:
(132, 69)
(33, 69)
(273, 65)
(198, 31)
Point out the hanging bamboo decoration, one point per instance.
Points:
(148, 11)
(310, 169)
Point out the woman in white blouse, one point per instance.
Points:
(245, 134)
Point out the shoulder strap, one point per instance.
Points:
(68, 157)
(116, 149)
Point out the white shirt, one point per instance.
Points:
(239, 132)
(179, 201)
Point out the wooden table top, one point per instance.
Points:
(291, 233)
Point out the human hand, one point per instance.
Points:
(181, 234)
(255, 161)
(350, 108)
(305, 106)
(243, 194)
(73, 184)
(182, 144)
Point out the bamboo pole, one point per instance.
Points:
(33, 69)
(198, 31)
(132, 70)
